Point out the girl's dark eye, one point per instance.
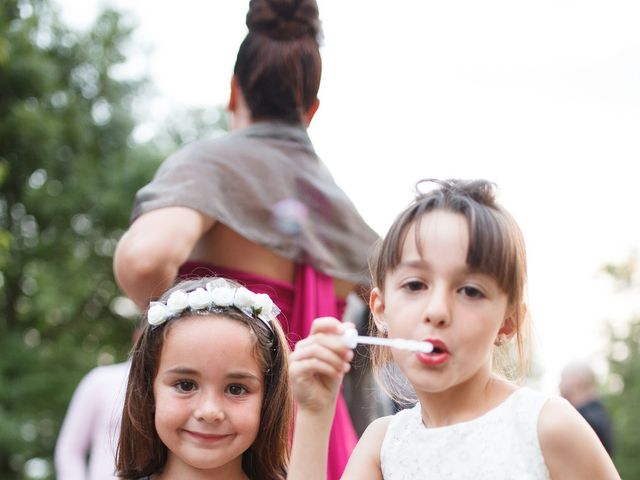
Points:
(185, 386)
(236, 390)
(414, 285)
(472, 292)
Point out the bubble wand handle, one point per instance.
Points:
(351, 339)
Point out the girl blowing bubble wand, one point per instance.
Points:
(451, 272)
(208, 395)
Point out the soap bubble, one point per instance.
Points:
(289, 216)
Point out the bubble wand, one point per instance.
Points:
(351, 338)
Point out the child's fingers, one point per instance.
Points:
(327, 325)
(314, 367)
(339, 361)
(325, 349)
(336, 330)
(349, 325)
(333, 330)
(331, 341)
(318, 364)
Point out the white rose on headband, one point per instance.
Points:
(199, 299)
(178, 301)
(244, 298)
(157, 313)
(263, 304)
(222, 296)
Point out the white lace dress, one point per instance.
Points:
(501, 444)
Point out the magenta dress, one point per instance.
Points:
(311, 296)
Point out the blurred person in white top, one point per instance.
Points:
(86, 445)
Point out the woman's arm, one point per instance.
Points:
(570, 447)
(149, 254)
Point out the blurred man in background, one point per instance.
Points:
(578, 385)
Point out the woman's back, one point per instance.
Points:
(224, 247)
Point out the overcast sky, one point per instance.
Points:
(540, 97)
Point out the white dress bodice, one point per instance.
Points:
(500, 444)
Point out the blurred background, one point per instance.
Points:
(541, 98)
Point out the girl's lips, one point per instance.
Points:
(438, 356)
(206, 437)
(438, 345)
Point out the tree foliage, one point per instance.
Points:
(68, 172)
(624, 372)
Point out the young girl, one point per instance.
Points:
(208, 395)
(451, 272)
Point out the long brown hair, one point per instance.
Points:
(278, 66)
(496, 248)
(140, 450)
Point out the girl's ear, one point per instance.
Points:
(510, 323)
(376, 305)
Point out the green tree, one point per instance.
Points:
(186, 125)
(624, 371)
(68, 171)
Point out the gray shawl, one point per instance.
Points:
(267, 183)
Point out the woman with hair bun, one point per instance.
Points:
(257, 205)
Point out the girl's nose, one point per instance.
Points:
(437, 311)
(209, 409)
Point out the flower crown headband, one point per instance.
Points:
(217, 296)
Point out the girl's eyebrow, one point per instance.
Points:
(241, 375)
(181, 371)
(424, 265)
(413, 264)
(244, 376)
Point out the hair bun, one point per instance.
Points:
(284, 19)
(481, 191)
(285, 9)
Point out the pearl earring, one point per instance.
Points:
(501, 340)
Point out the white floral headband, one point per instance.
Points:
(217, 295)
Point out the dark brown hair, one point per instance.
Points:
(140, 450)
(496, 248)
(278, 66)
